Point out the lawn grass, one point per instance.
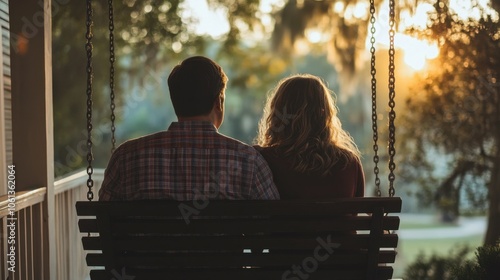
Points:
(410, 249)
(417, 225)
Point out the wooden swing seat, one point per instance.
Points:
(239, 240)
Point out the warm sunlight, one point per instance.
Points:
(464, 9)
(359, 10)
(213, 22)
(315, 35)
(418, 19)
(207, 21)
(417, 52)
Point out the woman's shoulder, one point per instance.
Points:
(352, 161)
(265, 150)
(272, 156)
(345, 164)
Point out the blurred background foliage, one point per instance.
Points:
(457, 264)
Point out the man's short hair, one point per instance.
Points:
(194, 86)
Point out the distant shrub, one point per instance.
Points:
(456, 266)
(486, 266)
(437, 267)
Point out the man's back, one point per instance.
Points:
(189, 161)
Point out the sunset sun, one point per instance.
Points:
(417, 52)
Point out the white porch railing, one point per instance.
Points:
(28, 232)
(23, 232)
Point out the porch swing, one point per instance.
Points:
(254, 240)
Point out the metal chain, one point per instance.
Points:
(88, 48)
(112, 73)
(392, 103)
(374, 98)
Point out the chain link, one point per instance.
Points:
(112, 73)
(374, 98)
(392, 103)
(90, 73)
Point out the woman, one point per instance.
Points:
(302, 139)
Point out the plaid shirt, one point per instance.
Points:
(189, 161)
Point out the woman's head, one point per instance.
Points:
(301, 121)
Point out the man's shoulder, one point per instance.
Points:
(236, 145)
(134, 143)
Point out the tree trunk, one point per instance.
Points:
(493, 230)
(448, 195)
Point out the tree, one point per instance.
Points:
(453, 117)
(144, 36)
(347, 33)
(457, 265)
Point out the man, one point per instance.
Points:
(190, 160)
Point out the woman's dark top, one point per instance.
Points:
(344, 180)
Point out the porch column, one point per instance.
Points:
(3, 149)
(32, 122)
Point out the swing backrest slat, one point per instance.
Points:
(337, 239)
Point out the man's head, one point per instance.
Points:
(196, 86)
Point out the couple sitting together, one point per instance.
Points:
(302, 152)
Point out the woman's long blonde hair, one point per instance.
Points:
(300, 120)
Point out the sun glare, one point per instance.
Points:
(338, 7)
(315, 35)
(356, 11)
(465, 9)
(417, 52)
(214, 22)
(208, 21)
(418, 19)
